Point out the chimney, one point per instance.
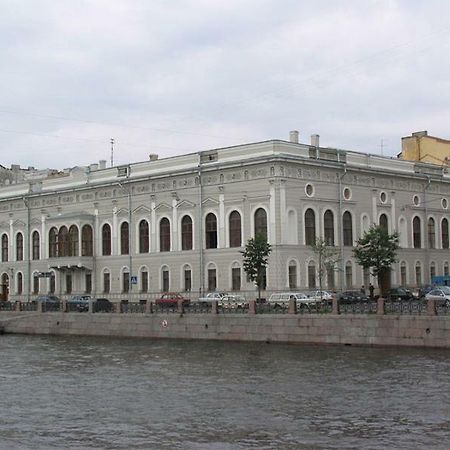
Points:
(420, 133)
(315, 140)
(102, 164)
(152, 156)
(293, 136)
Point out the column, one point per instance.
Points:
(221, 243)
(43, 251)
(374, 205)
(174, 238)
(153, 225)
(97, 234)
(115, 231)
(283, 211)
(394, 225)
(272, 215)
(11, 253)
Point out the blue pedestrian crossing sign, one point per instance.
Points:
(133, 280)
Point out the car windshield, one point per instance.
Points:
(445, 290)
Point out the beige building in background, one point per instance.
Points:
(423, 148)
(180, 223)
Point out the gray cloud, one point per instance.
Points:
(173, 77)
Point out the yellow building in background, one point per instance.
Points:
(429, 149)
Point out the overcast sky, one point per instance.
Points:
(172, 77)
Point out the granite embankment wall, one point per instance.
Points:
(353, 329)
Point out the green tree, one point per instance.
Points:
(327, 258)
(377, 251)
(256, 256)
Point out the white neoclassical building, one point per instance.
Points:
(180, 223)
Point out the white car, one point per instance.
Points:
(282, 299)
(440, 295)
(320, 295)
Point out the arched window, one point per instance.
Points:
(52, 283)
(328, 226)
(36, 254)
(73, 241)
(444, 232)
(144, 239)
(187, 277)
(291, 232)
(106, 282)
(348, 275)
(19, 247)
(347, 228)
(446, 271)
(164, 235)
(310, 227)
(144, 279)
(312, 274)
(235, 229)
(431, 233)
(5, 245)
(63, 241)
(165, 279)
(261, 222)
(418, 274)
(52, 242)
(106, 241)
(384, 222)
(403, 280)
(292, 275)
(235, 277)
(417, 238)
(211, 231)
(125, 281)
(432, 271)
(124, 238)
(87, 247)
(19, 283)
(186, 233)
(212, 277)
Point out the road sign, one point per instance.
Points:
(133, 280)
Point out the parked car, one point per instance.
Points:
(320, 295)
(79, 303)
(102, 305)
(348, 297)
(49, 302)
(424, 290)
(399, 293)
(211, 296)
(282, 299)
(233, 301)
(171, 299)
(440, 295)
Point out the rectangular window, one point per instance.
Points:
(312, 276)
(52, 283)
(165, 281)
(35, 284)
(212, 280)
(144, 281)
(187, 280)
(125, 282)
(330, 278)
(292, 277)
(88, 283)
(236, 278)
(68, 283)
(106, 282)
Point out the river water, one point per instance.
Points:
(98, 393)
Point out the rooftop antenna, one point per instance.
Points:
(381, 147)
(112, 152)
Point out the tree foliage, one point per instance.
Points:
(255, 259)
(327, 258)
(377, 250)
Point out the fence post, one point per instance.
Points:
(180, 306)
(252, 307)
(39, 307)
(214, 307)
(380, 306)
(148, 307)
(64, 305)
(335, 305)
(118, 307)
(17, 306)
(431, 307)
(91, 306)
(292, 309)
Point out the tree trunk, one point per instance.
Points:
(384, 281)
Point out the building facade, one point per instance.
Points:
(180, 223)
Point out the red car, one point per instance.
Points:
(171, 299)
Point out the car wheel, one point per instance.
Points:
(447, 303)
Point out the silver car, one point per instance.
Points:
(440, 295)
